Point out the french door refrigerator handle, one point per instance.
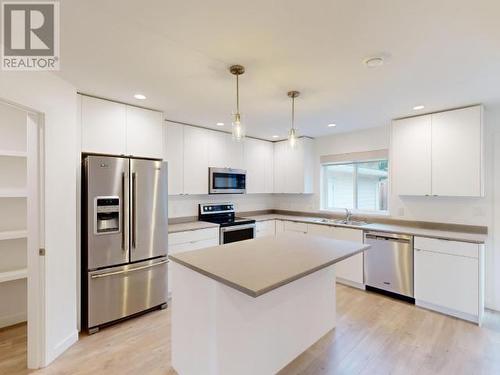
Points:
(99, 275)
(122, 219)
(134, 206)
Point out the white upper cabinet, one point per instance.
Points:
(259, 163)
(439, 154)
(119, 129)
(223, 152)
(235, 153)
(294, 168)
(196, 141)
(217, 153)
(144, 133)
(457, 152)
(103, 126)
(411, 156)
(174, 154)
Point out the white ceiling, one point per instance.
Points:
(439, 53)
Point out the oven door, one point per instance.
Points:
(237, 233)
(227, 181)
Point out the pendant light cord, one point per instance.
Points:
(237, 94)
(293, 112)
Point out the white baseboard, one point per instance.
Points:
(60, 348)
(10, 320)
(350, 283)
(447, 311)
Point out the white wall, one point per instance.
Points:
(471, 211)
(56, 99)
(187, 205)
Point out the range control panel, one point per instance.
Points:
(216, 208)
(107, 215)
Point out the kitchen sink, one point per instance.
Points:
(350, 222)
(341, 222)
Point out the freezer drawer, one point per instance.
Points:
(118, 292)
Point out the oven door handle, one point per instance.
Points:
(237, 227)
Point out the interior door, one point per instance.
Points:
(107, 237)
(148, 209)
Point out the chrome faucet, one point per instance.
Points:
(348, 215)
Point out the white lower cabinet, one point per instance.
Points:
(448, 277)
(191, 240)
(265, 228)
(279, 226)
(351, 270)
(292, 226)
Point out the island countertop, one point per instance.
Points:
(257, 266)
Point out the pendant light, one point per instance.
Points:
(237, 128)
(292, 133)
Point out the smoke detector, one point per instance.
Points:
(374, 62)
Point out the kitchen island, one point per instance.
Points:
(251, 307)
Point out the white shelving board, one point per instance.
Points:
(13, 275)
(11, 153)
(13, 193)
(13, 234)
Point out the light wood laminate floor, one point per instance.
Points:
(374, 335)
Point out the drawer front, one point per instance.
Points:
(193, 236)
(447, 247)
(193, 245)
(292, 226)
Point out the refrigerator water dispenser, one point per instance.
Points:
(107, 215)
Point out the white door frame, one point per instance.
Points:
(35, 243)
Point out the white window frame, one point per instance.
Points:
(323, 194)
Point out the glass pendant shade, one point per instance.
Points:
(237, 128)
(292, 138)
(292, 133)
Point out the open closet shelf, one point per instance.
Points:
(13, 275)
(20, 154)
(13, 234)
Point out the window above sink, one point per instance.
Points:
(361, 186)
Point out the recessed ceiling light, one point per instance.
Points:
(275, 136)
(332, 125)
(418, 107)
(374, 62)
(220, 124)
(140, 96)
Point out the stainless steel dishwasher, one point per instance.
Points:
(389, 263)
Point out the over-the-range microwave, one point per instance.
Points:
(226, 181)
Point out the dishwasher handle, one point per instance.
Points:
(389, 237)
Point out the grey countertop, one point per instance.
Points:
(257, 266)
(392, 228)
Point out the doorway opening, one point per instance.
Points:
(21, 208)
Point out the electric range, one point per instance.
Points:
(232, 228)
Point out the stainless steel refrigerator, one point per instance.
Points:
(124, 238)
